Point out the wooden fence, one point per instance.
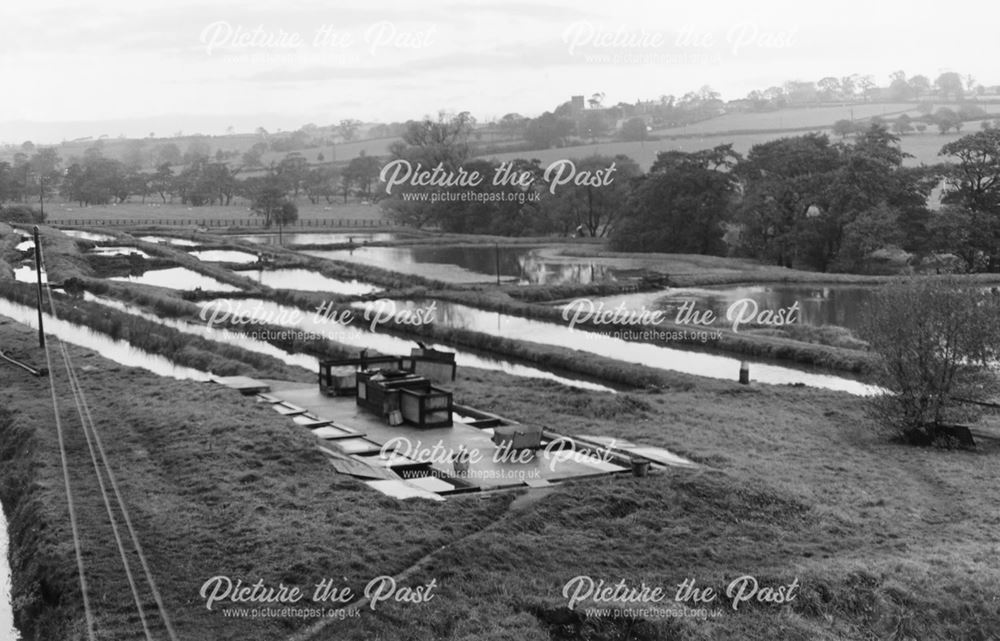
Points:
(327, 223)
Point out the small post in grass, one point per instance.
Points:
(38, 273)
(744, 373)
(497, 247)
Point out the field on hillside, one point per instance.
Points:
(822, 116)
(924, 147)
(60, 211)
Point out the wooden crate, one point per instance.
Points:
(426, 408)
(381, 395)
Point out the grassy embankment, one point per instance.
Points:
(886, 541)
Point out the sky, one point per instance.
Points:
(135, 67)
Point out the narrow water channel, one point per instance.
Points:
(667, 358)
(7, 630)
(117, 351)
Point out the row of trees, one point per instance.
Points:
(949, 85)
(944, 119)
(96, 179)
(806, 202)
(801, 201)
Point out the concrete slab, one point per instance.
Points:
(661, 456)
(403, 490)
(494, 468)
(243, 384)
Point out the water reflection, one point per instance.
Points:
(177, 278)
(317, 238)
(7, 630)
(170, 240)
(27, 274)
(305, 280)
(224, 256)
(87, 235)
(123, 250)
(478, 263)
(680, 360)
(115, 350)
(305, 361)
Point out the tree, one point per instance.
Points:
(162, 181)
(899, 88)
(919, 85)
(903, 124)
(292, 170)
(363, 172)
(595, 208)
(935, 340)
(946, 119)
(634, 129)
(593, 125)
(198, 149)
(348, 128)
(681, 205)
(844, 128)
(950, 84)
(974, 184)
(512, 125)
(548, 130)
(321, 182)
(168, 153)
(829, 88)
(270, 201)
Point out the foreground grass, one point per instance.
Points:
(886, 541)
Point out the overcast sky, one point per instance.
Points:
(128, 66)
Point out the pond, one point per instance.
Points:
(310, 281)
(318, 238)
(110, 250)
(840, 305)
(27, 274)
(469, 264)
(384, 343)
(170, 240)
(87, 235)
(224, 256)
(7, 630)
(115, 350)
(177, 278)
(679, 360)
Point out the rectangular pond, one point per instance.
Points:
(224, 256)
(87, 235)
(319, 238)
(123, 250)
(473, 263)
(170, 240)
(177, 278)
(310, 281)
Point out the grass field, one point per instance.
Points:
(883, 539)
(797, 118)
(924, 147)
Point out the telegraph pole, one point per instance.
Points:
(38, 273)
